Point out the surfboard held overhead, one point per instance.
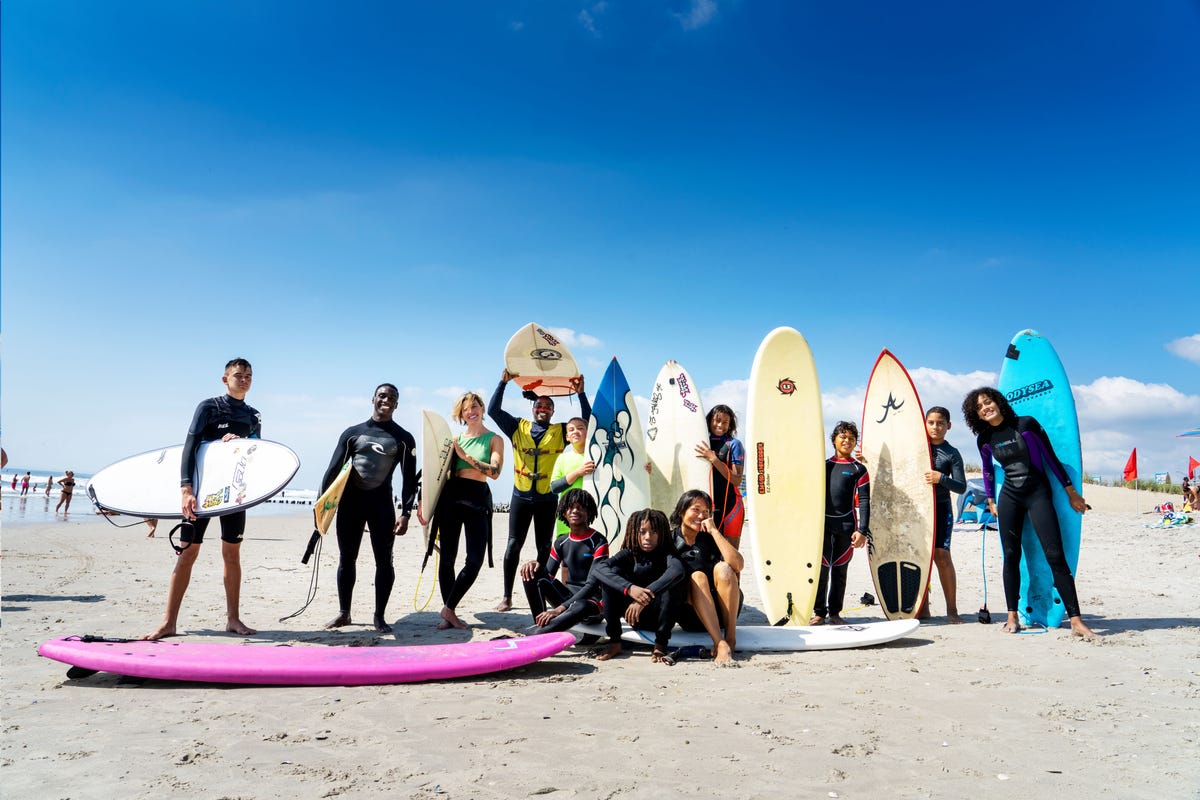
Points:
(541, 361)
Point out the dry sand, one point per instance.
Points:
(953, 711)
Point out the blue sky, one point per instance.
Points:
(353, 193)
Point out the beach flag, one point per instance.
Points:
(1192, 464)
(1131, 467)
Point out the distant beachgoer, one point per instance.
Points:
(14, 482)
(25, 485)
(219, 418)
(847, 518)
(557, 606)
(727, 456)
(49, 483)
(642, 584)
(67, 482)
(1021, 447)
(946, 476)
(465, 506)
(375, 449)
(572, 464)
(536, 446)
(714, 568)
(152, 524)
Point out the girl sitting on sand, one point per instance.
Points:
(642, 583)
(714, 568)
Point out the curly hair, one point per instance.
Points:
(658, 522)
(727, 411)
(844, 426)
(578, 497)
(970, 408)
(685, 501)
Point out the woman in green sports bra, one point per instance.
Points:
(465, 505)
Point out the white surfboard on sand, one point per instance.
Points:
(784, 638)
(785, 469)
(895, 448)
(230, 476)
(676, 425)
(541, 362)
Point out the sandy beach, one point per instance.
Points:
(952, 711)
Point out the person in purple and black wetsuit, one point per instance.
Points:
(1022, 448)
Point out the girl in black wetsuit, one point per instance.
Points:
(642, 583)
(714, 568)
(1020, 446)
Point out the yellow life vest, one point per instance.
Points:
(532, 461)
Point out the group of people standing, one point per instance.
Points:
(685, 569)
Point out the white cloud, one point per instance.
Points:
(1188, 348)
(699, 14)
(587, 17)
(574, 339)
(1107, 400)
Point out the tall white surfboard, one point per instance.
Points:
(676, 425)
(895, 448)
(437, 448)
(785, 467)
(620, 482)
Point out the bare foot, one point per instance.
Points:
(661, 657)
(834, 619)
(612, 651)
(240, 628)
(1081, 630)
(1013, 625)
(953, 618)
(724, 654)
(450, 620)
(504, 605)
(162, 632)
(380, 625)
(817, 621)
(338, 621)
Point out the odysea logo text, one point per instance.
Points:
(1031, 390)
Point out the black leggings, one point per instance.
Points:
(465, 505)
(375, 510)
(659, 616)
(835, 562)
(544, 591)
(1037, 503)
(521, 511)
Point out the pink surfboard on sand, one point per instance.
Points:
(304, 665)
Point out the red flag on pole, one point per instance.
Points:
(1131, 467)
(1192, 464)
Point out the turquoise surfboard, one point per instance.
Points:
(620, 483)
(1035, 384)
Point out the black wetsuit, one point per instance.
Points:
(214, 418)
(661, 572)
(847, 491)
(375, 449)
(1025, 453)
(948, 461)
(703, 555)
(581, 593)
(528, 506)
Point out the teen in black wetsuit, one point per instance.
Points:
(847, 518)
(642, 583)
(1021, 447)
(945, 475)
(578, 550)
(375, 449)
(226, 417)
(536, 446)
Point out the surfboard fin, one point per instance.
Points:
(75, 673)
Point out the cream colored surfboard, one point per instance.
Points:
(437, 448)
(895, 448)
(676, 426)
(541, 361)
(785, 474)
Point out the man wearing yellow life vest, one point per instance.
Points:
(536, 446)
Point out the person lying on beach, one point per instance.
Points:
(557, 606)
(642, 584)
(714, 568)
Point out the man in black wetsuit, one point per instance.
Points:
(375, 449)
(227, 417)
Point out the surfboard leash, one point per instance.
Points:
(436, 552)
(314, 547)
